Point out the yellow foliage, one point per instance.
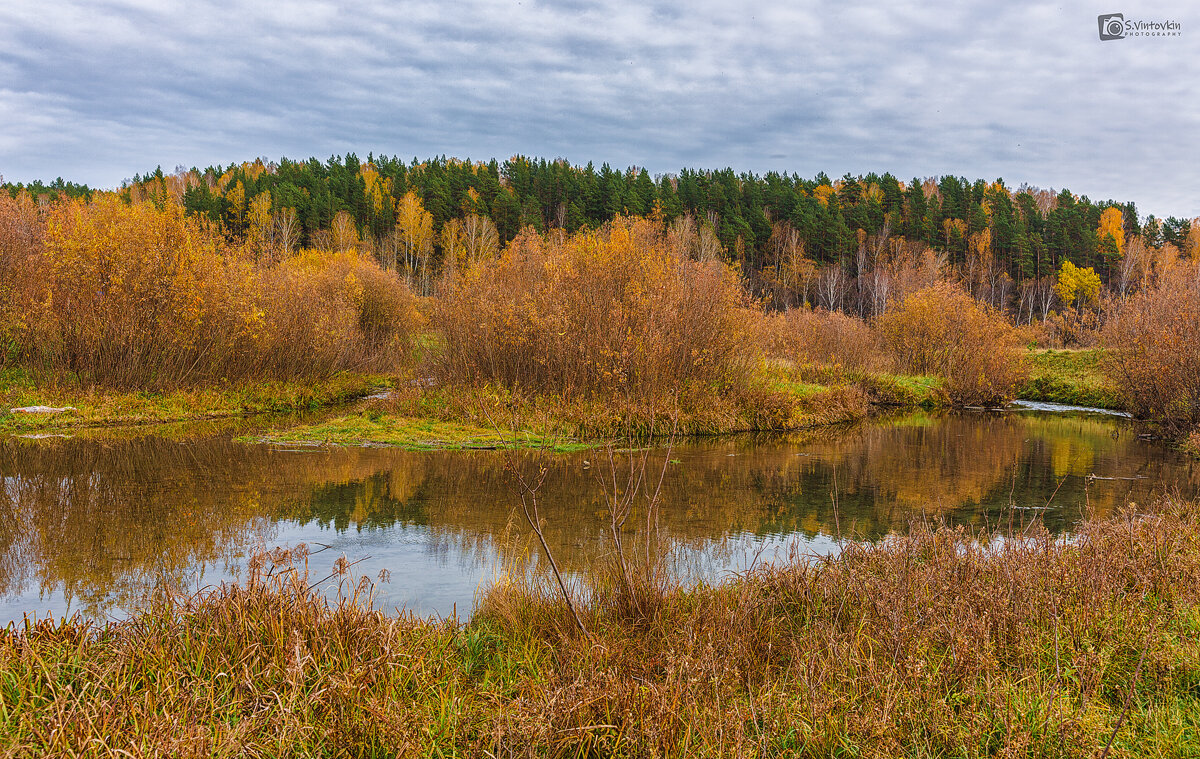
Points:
(259, 218)
(414, 231)
(131, 295)
(954, 229)
(236, 197)
(377, 188)
(1112, 224)
(1077, 285)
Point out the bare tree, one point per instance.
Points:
(479, 238)
(831, 287)
(287, 229)
(1131, 267)
(709, 245)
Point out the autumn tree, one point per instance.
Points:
(454, 253)
(287, 229)
(480, 239)
(260, 233)
(414, 234)
(1110, 234)
(343, 232)
(1077, 287)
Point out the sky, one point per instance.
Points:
(98, 90)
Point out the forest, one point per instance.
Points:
(705, 284)
(784, 233)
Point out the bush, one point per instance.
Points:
(823, 337)
(334, 311)
(941, 330)
(1155, 348)
(617, 310)
(21, 229)
(129, 295)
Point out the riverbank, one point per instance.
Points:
(91, 407)
(1073, 377)
(926, 644)
(389, 412)
(785, 397)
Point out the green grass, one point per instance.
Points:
(96, 407)
(1074, 377)
(372, 427)
(907, 390)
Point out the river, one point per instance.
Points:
(90, 524)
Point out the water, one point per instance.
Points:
(89, 525)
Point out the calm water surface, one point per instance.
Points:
(88, 525)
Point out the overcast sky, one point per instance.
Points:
(97, 90)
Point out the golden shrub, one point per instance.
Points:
(616, 309)
(823, 337)
(1154, 342)
(325, 311)
(943, 331)
(130, 295)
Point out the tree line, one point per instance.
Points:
(779, 229)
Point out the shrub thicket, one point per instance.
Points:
(619, 310)
(1155, 348)
(818, 336)
(130, 295)
(941, 330)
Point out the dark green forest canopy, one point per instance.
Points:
(1029, 231)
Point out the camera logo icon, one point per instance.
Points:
(1112, 26)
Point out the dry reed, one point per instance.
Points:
(931, 643)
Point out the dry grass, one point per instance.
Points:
(928, 644)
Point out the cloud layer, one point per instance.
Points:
(96, 90)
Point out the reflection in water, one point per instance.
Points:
(90, 525)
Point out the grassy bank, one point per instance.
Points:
(782, 397)
(1075, 377)
(925, 645)
(98, 407)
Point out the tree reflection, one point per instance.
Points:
(100, 521)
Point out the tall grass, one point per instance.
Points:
(133, 296)
(931, 643)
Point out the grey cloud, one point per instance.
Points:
(96, 91)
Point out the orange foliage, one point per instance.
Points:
(21, 231)
(1155, 342)
(617, 309)
(822, 337)
(941, 330)
(130, 295)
